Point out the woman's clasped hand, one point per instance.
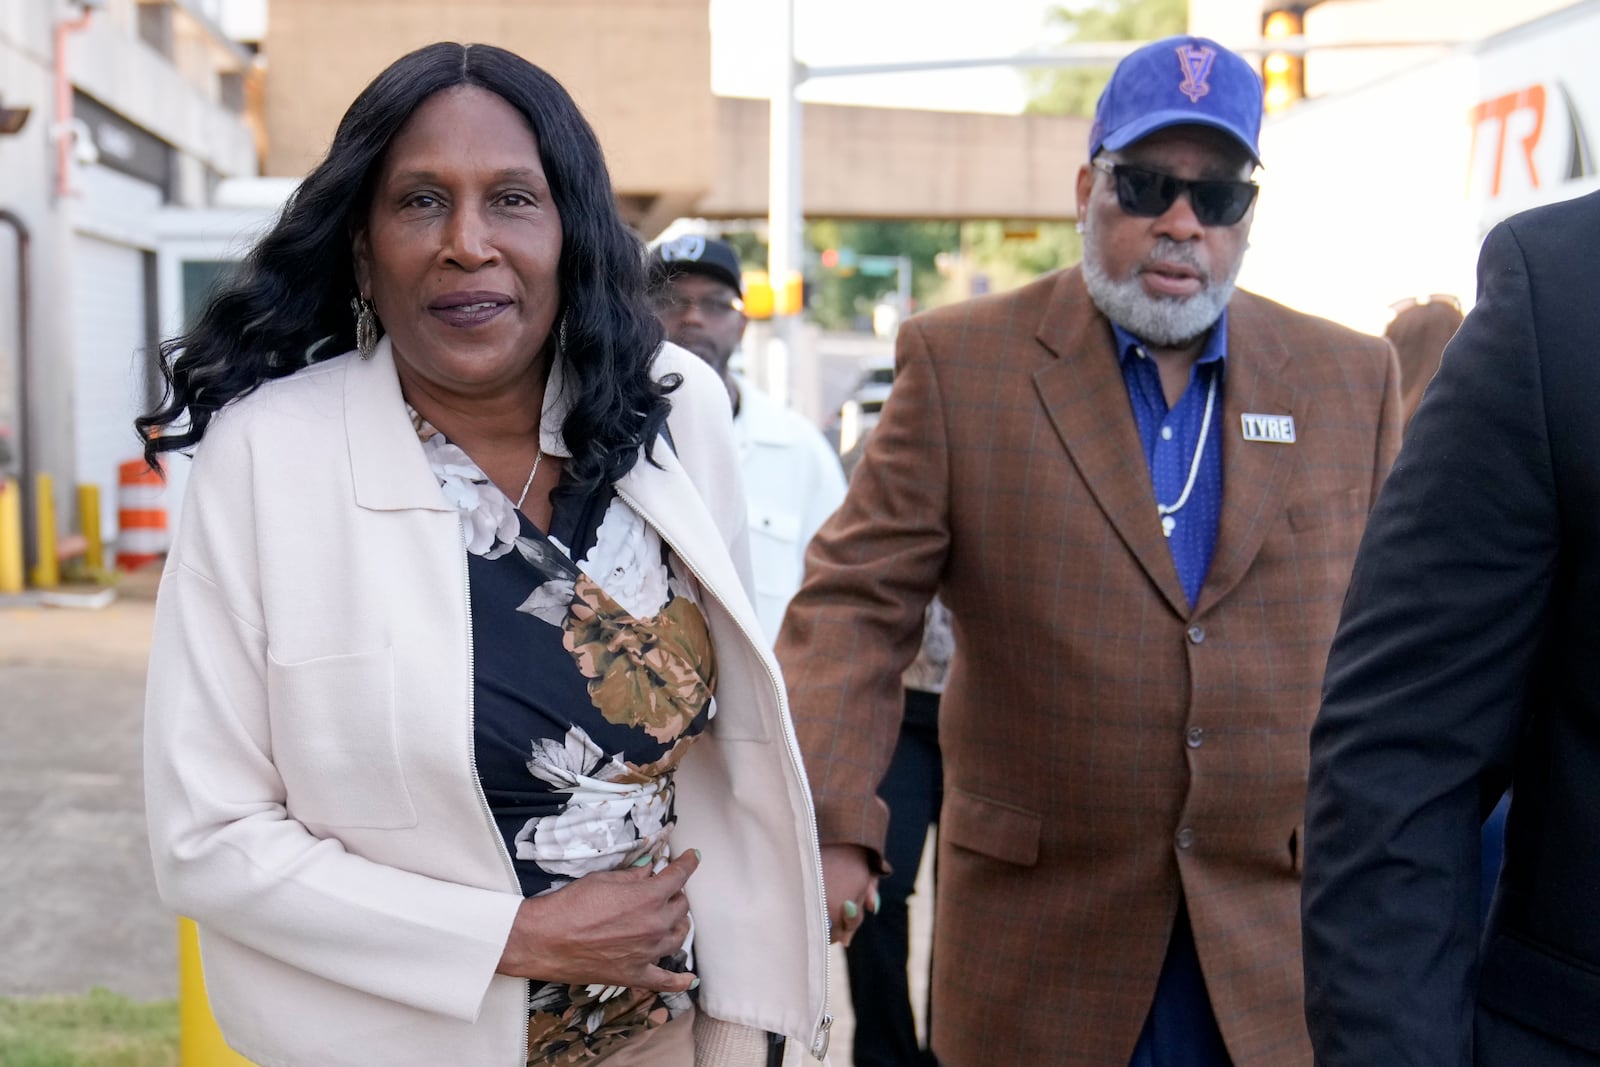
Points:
(607, 928)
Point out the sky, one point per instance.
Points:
(744, 49)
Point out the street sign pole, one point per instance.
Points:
(784, 227)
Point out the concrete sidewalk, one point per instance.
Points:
(78, 906)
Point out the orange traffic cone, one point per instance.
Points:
(141, 515)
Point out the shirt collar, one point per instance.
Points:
(1215, 350)
(557, 406)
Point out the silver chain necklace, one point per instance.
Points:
(540, 455)
(1166, 511)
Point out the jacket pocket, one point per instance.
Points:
(334, 741)
(990, 828)
(775, 550)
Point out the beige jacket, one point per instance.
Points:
(310, 786)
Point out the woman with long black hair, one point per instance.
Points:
(461, 745)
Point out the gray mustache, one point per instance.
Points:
(1179, 252)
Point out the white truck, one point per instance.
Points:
(1385, 192)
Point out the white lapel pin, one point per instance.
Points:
(1275, 429)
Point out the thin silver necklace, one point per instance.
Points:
(540, 455)
(1166, 511)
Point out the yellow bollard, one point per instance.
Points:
(11, 567)
(47, 572)
(94, 555)
(200, 1042)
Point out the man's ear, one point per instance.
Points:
(1085, 187)
(361, 253)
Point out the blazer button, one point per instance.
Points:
(1197, 634)
(1196, 737)
(1185, 837)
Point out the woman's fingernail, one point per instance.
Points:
(850, 909)
(695, 984)
(697, 858)
(642, 860)
(877, 902)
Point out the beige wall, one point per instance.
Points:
(639, 69)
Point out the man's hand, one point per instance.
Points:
(852, 889)
(607, 928)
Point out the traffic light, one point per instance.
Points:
(1283, 73)
(758, 295)
(842, 260)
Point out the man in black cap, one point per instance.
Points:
(698, 294)
(792, 478)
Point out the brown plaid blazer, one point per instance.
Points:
(1104, 745)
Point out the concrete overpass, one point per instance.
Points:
(641, 71)
(899, 164)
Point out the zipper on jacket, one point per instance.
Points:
(472, 758)
(819, 1042)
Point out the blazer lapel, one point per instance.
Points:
(389, 469)
(1087, 402)
(1256, 474)
(666, 498)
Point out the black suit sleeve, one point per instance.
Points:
(1424, 688)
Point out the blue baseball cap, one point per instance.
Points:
(1179, 81)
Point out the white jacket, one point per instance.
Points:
(792, 482)
(309, 776)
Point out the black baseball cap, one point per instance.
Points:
(695, 254)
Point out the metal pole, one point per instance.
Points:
(25, 436)
(784, 229)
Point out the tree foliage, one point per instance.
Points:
(949, 261)
(1006, 255)
(1074, 90)
(843, 298)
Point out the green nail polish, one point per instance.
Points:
(695, 984)
(697, 856)
(877, 902)
(641, 861)
(850, 909)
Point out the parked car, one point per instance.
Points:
(859, 414)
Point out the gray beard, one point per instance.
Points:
(1169, 322)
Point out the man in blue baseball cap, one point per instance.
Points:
(1139, 491)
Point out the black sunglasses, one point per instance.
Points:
(1149, 193)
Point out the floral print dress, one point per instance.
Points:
(593, 673)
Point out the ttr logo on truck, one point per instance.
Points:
(1524, 111)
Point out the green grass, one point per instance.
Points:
(101, 1029)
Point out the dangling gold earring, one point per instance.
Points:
(366, 326)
